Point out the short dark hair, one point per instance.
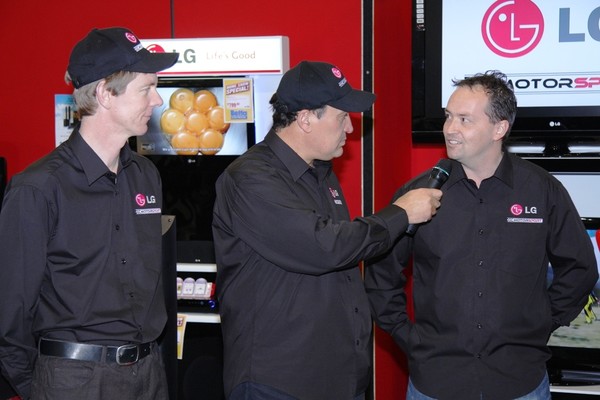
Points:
(502, 103)
(282, 117)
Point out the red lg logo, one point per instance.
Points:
(516, 209)
(131, 37)
(155, 48)
(140, 199)
(512, 28)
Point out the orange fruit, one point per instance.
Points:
(204, 100)
(182, 99)
(185, 143)
(172, 121)
(196, 122)
(216, 118)
(211, 141)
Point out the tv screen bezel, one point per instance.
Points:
(570, 365)
(573, 365)
(194, 242)
(555, 128)
(197, 83)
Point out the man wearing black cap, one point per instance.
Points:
(295, 317)
(81, 235)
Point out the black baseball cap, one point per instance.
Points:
(312, 84)
(106, 51)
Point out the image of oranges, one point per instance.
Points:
(194, 123)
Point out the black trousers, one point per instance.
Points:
(56, 378)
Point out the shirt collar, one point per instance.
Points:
(293, 162)
(504, 172)
(93, 167)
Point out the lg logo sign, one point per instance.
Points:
(513, 28)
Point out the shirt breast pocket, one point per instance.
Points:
(522, 248)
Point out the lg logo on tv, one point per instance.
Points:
(513, 28)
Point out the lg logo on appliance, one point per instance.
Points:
(513, 28)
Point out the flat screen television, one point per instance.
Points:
(540, 45)
(576, 348)
(189, 168)
(192, 121)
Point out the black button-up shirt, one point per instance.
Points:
(483, 311)
(293, 306)
(80, 251)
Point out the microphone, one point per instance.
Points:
(439, 174)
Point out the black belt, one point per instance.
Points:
(126, 354)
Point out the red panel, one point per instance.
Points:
(39, 49)
(391, 369)
(424, 157)
(392, 156)
(395, 158)
(317, 30)
(37, 38)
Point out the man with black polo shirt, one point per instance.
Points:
(80, 277)
(294, 314)
(483, 310)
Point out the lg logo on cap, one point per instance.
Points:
(512, 28)
(131, 37)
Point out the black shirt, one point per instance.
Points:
(80, 253)
(483, 312)
(293, 307)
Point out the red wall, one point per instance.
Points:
(396, 159)
(36, 38)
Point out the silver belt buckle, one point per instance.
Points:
(122, 354)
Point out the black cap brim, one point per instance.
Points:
(153, 62)
(354, 101)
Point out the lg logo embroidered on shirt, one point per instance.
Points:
(335, 194)
(517, 210)
(142, 200)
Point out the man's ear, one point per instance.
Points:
(103, 95)
(303, 120)
(501, 129)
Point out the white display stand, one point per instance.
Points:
(590, 390)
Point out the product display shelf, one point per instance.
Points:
(587, 390)
(199, 317)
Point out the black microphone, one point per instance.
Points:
(439, 174)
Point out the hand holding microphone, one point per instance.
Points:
(421, 204)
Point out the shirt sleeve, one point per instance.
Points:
(385, 283)
(269, 217)
(24, 233)
(572, 257)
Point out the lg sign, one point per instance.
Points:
(513, 28)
